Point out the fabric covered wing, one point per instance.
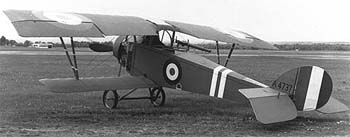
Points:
(42, 24)
(122, 25)
(245, 39)
(54, 24)
(223, 35)
(70, 85)
(202, 32)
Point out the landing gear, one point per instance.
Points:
(111, 98)
(157, 96)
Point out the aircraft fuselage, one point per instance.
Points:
(188, 72)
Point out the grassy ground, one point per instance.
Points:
(28, 109)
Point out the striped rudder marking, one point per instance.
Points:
(309, 87)
(313, 89)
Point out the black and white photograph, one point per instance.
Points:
(183, 68)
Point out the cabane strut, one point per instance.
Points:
(229, 54)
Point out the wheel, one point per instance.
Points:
(110, 99)
(157, 96)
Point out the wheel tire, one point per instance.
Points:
(113, 100)
(157, 97)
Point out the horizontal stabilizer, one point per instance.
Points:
(269, 105)
(71, 85)
(333, 106)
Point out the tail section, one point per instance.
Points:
(301, 89)
(310, 87)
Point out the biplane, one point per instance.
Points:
(154, 64)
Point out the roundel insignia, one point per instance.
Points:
(64, 18)
(172, 71)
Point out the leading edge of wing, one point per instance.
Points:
(58, 24)
(71, 85)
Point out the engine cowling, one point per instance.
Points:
(117, 50)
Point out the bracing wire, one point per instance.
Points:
(90, 66)
(99, 64)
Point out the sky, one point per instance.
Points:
(270, 20)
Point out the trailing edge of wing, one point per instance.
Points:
(70, 85)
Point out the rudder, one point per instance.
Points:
(310, 87)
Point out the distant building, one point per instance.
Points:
(39, 44)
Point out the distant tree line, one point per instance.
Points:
(315, 46)
(82, 44)
(289, 46)
(79, 44)
(293, 46)
(7, 42)
(224, 46)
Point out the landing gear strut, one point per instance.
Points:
(111, 98)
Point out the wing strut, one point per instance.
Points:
(172, 39)
(76, 74)
(75, 66)
(229, 54)
(217, 51)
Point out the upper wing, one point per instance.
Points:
(203, 32)
(53, 24)
(70, 85)
(229, 36)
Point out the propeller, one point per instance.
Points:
(100, 47)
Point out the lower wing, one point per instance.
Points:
(71, 85)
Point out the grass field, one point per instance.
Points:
(28, 109)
